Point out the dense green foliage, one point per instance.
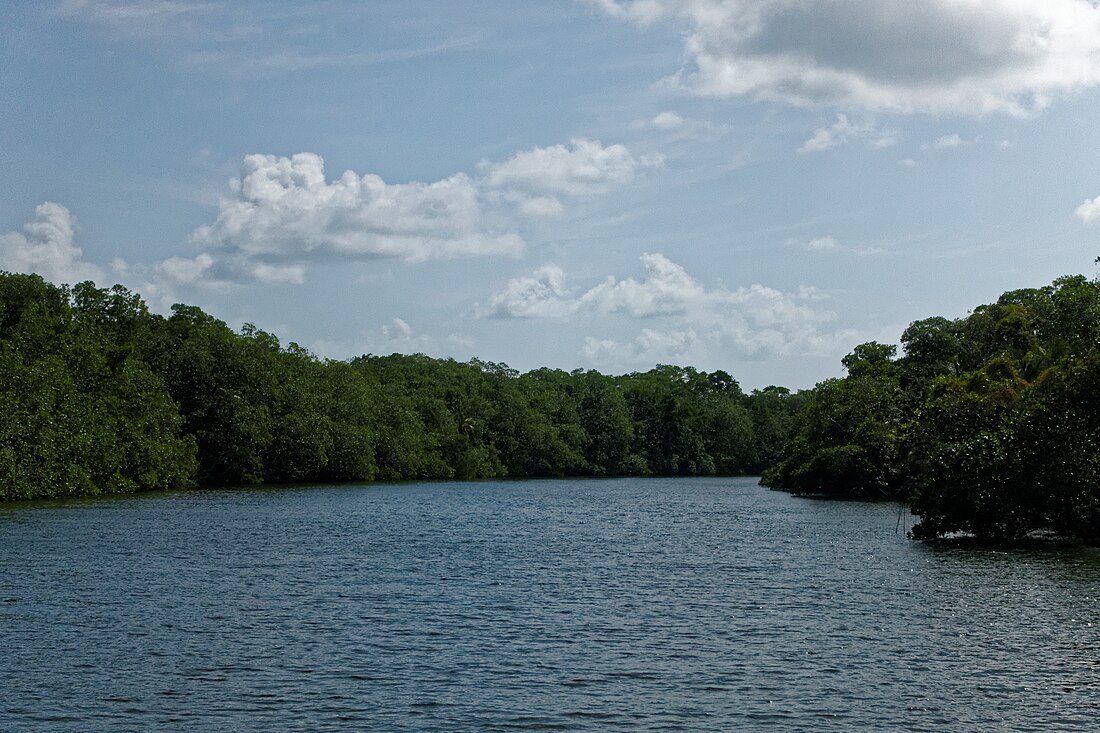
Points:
(81, 410)
(989, 424)
(98, 394)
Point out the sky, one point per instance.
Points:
(748, 185)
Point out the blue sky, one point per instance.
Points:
(749, 186)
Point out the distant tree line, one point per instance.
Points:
(100, 395)
(989, 424)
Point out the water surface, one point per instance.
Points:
(694, 604)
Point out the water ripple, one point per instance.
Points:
(559, 605)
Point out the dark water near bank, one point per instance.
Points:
(561, 605)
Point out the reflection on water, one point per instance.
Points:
(566, 605)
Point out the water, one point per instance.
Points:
(698, 604)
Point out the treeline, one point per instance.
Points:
(100, 395)
(989, 425)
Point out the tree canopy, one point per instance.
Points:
(101, 395)
(989, 424)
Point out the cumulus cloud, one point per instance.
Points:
(666, 290)
(397, 330)
(47, 247)
(542, 294)
(648, 347)
(185, 271)
(282, 213)
(283, 209)
(538, 206)
(581, 168)
(1089, 210)
(955, 56)
(399, 336)
(687, 317)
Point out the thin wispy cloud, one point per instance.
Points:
(673, 127)
(843, 131)
(240, 61)
(223, 38)
(823, 244)
(133, 14)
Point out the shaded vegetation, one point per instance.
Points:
(100, 395)
(989, 425)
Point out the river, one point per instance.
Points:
(658, 604)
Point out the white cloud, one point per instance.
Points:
(667, 289)
(688, 317)
(667, 121)
(46, 246)
(599, 350)
(542, 295)
(581, 168)
(843, 131)
(674, 127)
(955, 56)
(836, 134)
(539, 206)
(809, 292)
(397, 330)
(273, 274)
(947, 141)
(283, 210)
(884, 139)
(186, 271)
(281, 213)
(653, 345)
(648, 347)
(1089, 210)
(399, 336)
(908, 163)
